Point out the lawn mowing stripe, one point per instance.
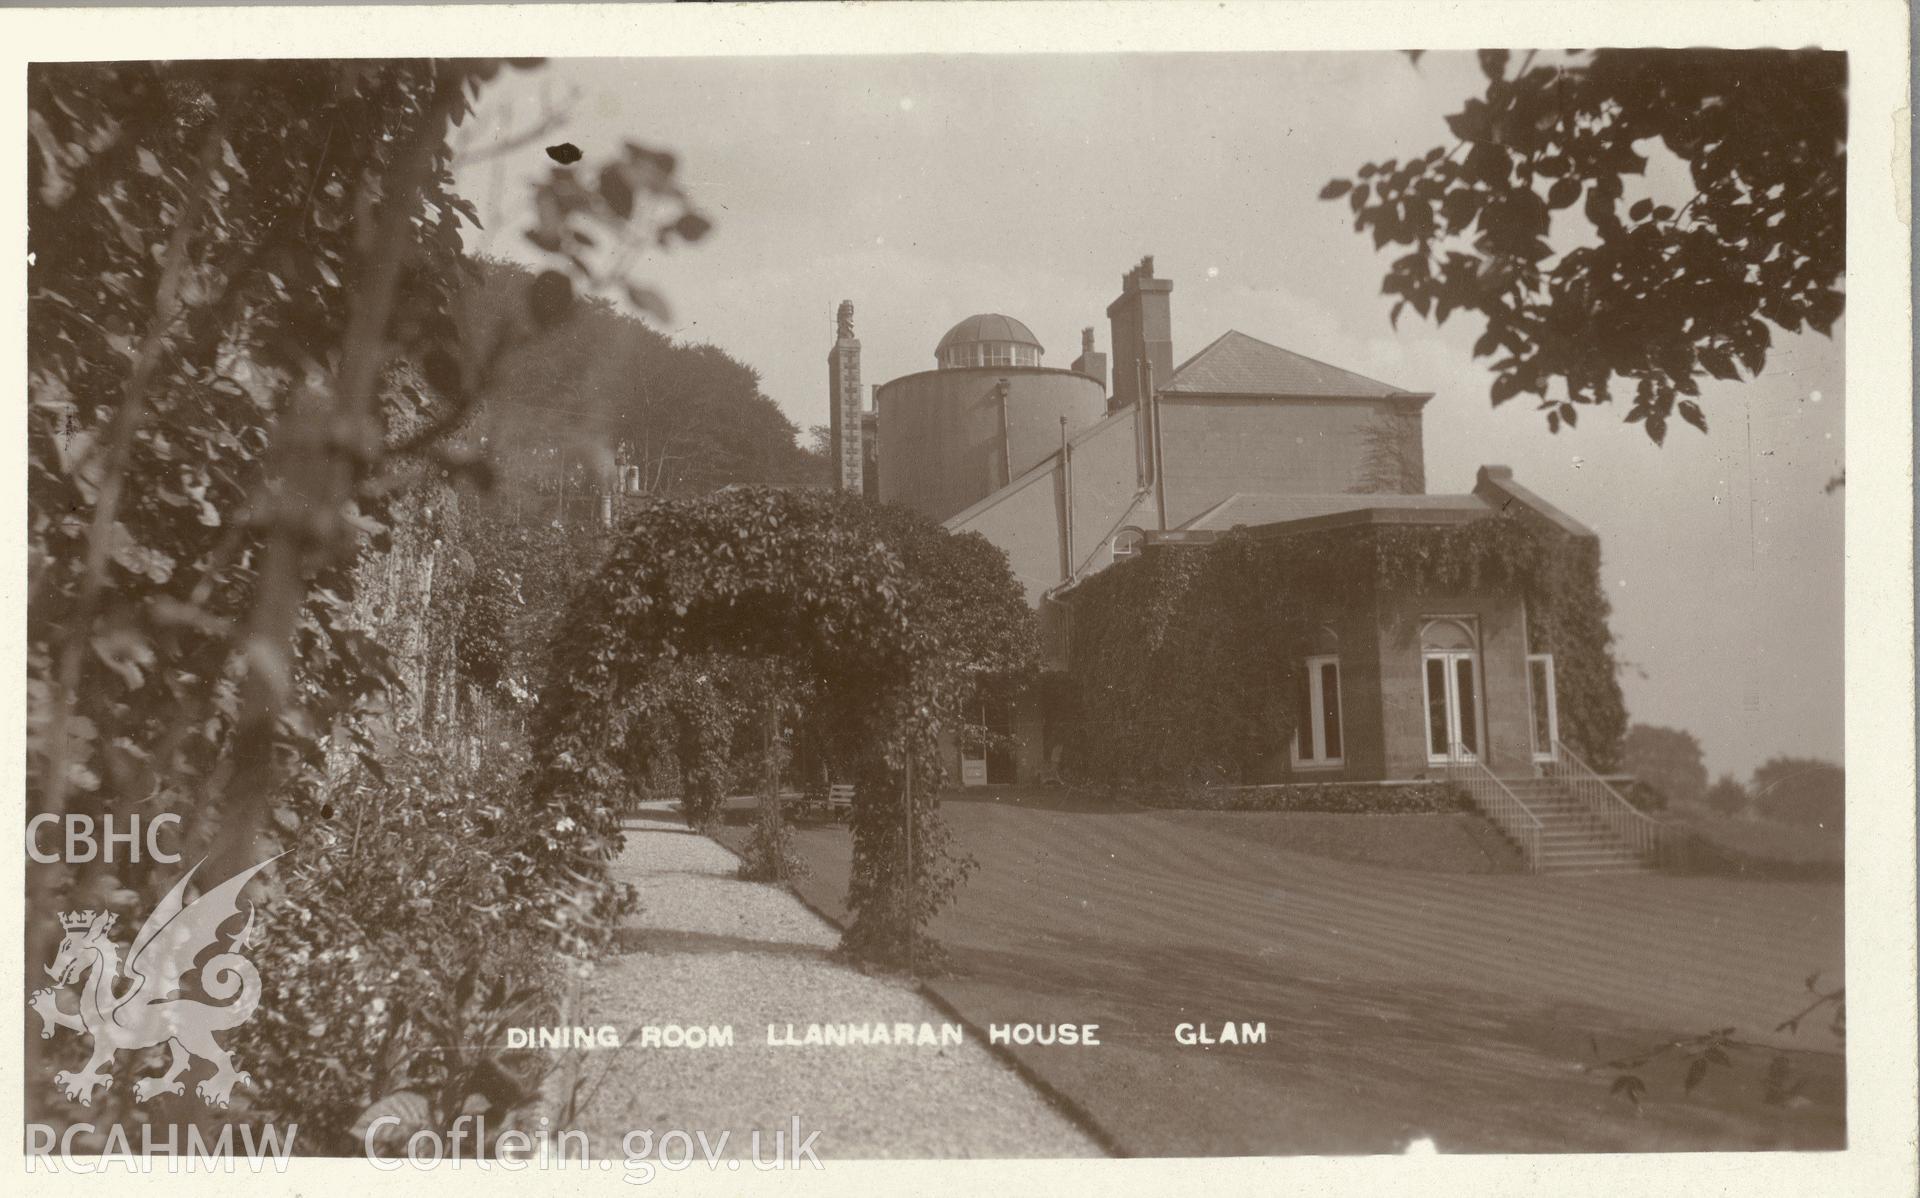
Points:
(1383, 941)
(1532, 903)
(1150, 895)
(1648, 894)
(1644, 894)
(1458, 930)
(1381, 949)
(1542, 914)
(1398, 902)
(1460, 937)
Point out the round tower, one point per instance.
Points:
(988, 413)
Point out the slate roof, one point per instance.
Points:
(1259, 507)
(1236, 364)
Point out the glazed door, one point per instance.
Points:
(1453, 706)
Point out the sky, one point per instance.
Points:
(925, 188)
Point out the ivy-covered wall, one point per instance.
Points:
(1182, 661)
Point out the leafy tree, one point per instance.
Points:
(1668, 760)
(689, 416)
(244, 348)
(1656, 295)
(1803, 791)
(1726, 796)
(244, 273)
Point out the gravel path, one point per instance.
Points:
(711, 951)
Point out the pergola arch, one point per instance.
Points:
(752, 573)
(802, 578)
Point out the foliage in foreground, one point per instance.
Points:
(1723, 1049)
(396, 946)
(1658, 295)
(245, 356)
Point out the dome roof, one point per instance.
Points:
(988, 326)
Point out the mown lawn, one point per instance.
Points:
(1399, 1003)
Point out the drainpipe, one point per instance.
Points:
(1006, 438)
(1141, 397)
(1159, 459)
(1066, 477)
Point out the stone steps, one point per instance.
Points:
(1572, 838)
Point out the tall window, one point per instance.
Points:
(1317, 737)
(1545, 707)
(1450, 662)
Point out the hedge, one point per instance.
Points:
(1339, 798)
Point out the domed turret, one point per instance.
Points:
(988, 339)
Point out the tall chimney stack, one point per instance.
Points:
(1142, 334)
(1091, 363)
(845, 403)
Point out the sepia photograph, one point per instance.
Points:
(729, 612)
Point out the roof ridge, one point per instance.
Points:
(1329, 365)
(1232, 332)
(1201, 352)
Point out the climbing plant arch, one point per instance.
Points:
(814, 581)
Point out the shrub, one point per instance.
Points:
(1801, 791)
(1738, 847)
(1644, 796)
(394, 889)
(1727, 796)
(1342, 798)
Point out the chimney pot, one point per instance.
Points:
(1142, 335)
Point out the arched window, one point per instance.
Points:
(1448, 634)
(1128, 542)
